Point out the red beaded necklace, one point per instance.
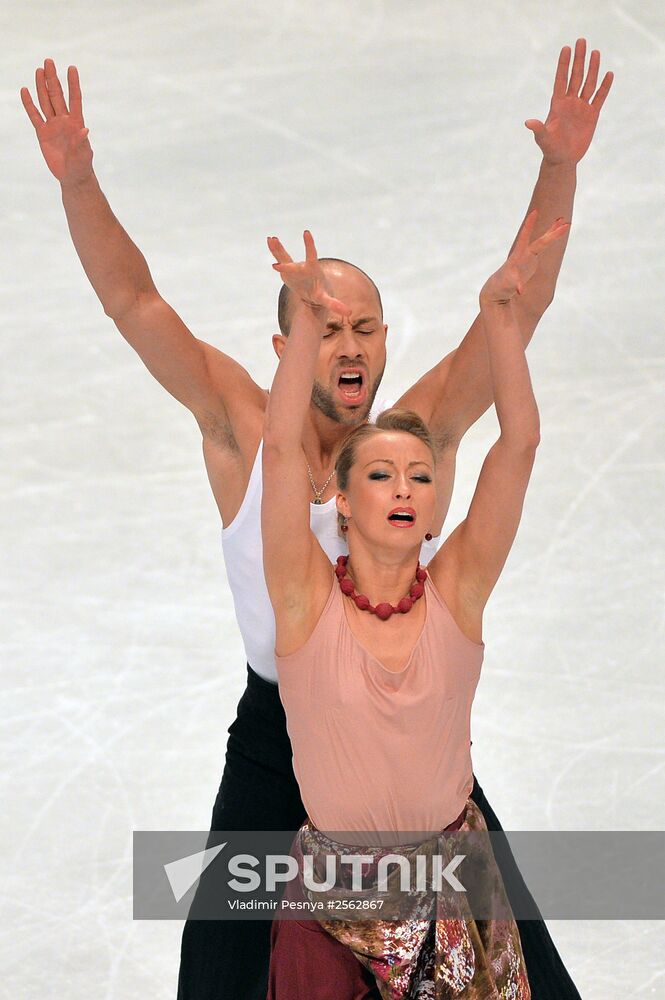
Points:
(383, 610)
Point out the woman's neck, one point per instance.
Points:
(381, 576)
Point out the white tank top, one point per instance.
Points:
(243, 555)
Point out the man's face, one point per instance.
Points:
(352, 357)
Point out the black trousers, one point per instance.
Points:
(228, 960)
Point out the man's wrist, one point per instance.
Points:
(560, 166)
(82, 185)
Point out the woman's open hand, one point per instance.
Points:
(522, 263)
(306, 279)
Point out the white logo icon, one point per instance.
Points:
(183, 873)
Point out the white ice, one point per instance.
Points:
(395, 133)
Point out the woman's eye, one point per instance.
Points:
(378, 475)
(423, 479)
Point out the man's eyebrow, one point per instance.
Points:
(389, 461)
(358, 322)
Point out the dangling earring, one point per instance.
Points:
(428, 536)
(344, 526)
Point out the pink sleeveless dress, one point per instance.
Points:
(375, 749)
(382, 751)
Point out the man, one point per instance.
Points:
(258, 789)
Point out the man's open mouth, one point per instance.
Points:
(351, 384)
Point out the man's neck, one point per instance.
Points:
(322, 437)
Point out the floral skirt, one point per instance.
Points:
(434, 950)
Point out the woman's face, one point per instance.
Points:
(391, 494)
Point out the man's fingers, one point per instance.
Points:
(535, 126)
(42, 94)
(603, 91)
(54, 88)
(75, 96)
(31, 111)
(278, 251)
(561, 75)
(577, 71)
(310, 248)
(591, 77)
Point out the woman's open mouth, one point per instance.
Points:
(402, 517)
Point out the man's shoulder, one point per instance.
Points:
(378, 406)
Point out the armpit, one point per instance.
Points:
(444, 438)
(217, 430)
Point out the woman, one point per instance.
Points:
(378, 659)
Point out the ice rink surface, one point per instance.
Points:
(395, 133)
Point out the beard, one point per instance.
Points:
(324, 400)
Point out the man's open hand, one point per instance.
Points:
(567, 132)
(61, 131)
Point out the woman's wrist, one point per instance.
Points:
(495, 300)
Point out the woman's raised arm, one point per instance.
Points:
(289, 546)
(476, 551)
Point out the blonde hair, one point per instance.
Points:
(394, 419)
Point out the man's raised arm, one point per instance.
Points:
(458, 390)
(195, 373)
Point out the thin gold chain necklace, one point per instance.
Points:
(318, 493)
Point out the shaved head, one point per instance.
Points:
(285, 296)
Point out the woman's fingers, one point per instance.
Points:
(524, 237)
(306, 274)
(336, 305)
(525, 245)
(310, 248)
(529, 223)
(555, 232)
(278, 251)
